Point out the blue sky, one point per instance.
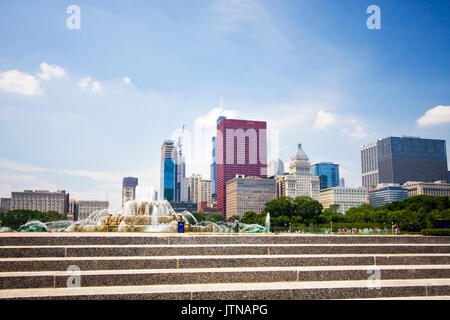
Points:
(83, 108)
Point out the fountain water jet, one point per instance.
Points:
(267, 222)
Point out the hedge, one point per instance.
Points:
(435, 232)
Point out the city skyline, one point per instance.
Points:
(75, 120)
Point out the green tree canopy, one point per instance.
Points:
(200, 216)
(15, 218)
(215, 217)
(411, 214)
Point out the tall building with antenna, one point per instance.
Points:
(181, 193)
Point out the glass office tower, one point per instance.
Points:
(328, 174)
(168, 171)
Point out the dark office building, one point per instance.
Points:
(184, 206)
(328, 174)
(129, 189)
(402, 159)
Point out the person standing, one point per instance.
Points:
(236, 225)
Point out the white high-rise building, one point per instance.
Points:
(182, 180)
(275, 168)
(345, 197)
(299, 181)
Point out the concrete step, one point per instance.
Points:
(304, 290)
(216, 249)
(58, 279)
(114, 238)
(217, 261)
(406, 298)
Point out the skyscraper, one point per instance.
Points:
(200, 190)
(328, 174)
(129, 189)
(241, 149)
(214, 164)
(402, 159)
(275, 168)
(181, 193)
(168, 175)
(214, 169)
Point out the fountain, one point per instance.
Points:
(135, 216)
(267, 222)
(33, 226)
(145, 214)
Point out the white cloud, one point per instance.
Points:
(96, 86)
(17, 166)
(208, 120)
(354, 128)
(84, 82)
(14, 81)
(197, 144)
(324, 119)
(87, 83)
(435, 116)
(51, 71)
(94, 175)
(18, 178)
(126, 80)
(249, 18)
(19, 182)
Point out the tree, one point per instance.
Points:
(15, 218)
(200, 216)
(215, 217)
(250, 217)
(309, 209)
(232, 218)
(333, 209)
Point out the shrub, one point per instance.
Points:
(436, 232)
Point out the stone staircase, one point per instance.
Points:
(223, 266)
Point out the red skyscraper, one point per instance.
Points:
(241, 149)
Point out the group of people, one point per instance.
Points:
(395, 228)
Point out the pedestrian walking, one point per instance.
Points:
(236, 225)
